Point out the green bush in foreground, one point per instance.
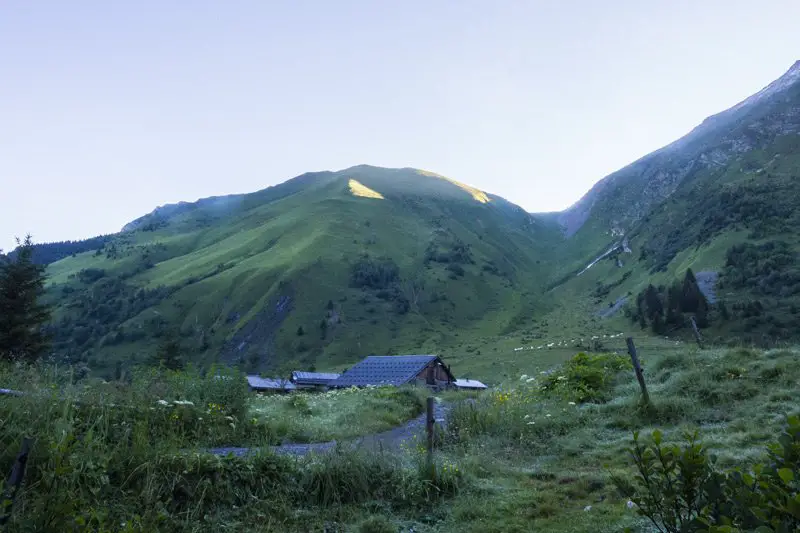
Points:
(679, 489)
(586, 377)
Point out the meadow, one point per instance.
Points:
(539, 452)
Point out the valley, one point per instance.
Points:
(143, 421)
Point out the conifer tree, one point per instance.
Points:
(22, 313)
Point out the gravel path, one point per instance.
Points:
(391, 439)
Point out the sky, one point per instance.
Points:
(109, 109)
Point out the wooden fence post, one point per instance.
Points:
(638, 369)
(429, 421)
(696, 331)
(15, 480)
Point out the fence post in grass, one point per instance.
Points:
(638, 369)
(696, 331)
(429, 421)
(15, 480)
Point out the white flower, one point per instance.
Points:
(587, 508)
(183, 402)
(630, 504)
(548, 414)
(162, 402)
(571, 403)
(523, 377)
(527, 416)
(531, 423)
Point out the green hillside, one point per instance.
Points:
(723, 201)
(330, 266)
(317, 271)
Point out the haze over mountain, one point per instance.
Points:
(329, 266)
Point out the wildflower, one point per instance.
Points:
(183, 402)
(531, 423)
(527, 416)
(548, 415)
(571, 403)
(587, 508)
(162, 402)
(630, 504)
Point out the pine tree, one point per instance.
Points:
(22, 315)
(674, 296)
(691, 293)
(652, 300)
(169, 353)
(701, 315)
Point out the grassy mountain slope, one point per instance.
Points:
(329, 266)
(318, 271)
(723, 199)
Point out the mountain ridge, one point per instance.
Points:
(576, 215)
(327, 266)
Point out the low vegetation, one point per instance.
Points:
(550, 451)
(337, 414)
(130, 456)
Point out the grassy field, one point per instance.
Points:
(536, 453)
(337, 414)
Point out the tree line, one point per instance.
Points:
(664, 307)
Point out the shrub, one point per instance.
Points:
(374, 273)
(679, 489)
(586, 378)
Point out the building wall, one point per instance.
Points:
(433, 374)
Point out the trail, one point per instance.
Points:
(386, 440)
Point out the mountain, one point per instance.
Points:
(319, 270)
(723, 200)
(330, 266)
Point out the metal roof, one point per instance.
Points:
(259, 383)
(313, 378)
(384, 370)
(470, 384)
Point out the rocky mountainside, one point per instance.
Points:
(621, 199)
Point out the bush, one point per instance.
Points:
(679, 489)
(374, 273)
(586, 378)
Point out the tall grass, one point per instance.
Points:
(128, 457)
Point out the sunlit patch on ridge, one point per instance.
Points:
(359, 189)
(477, 194)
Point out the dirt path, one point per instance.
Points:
(391, 439)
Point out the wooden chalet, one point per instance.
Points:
(428, 370)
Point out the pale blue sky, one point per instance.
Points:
(108, 109)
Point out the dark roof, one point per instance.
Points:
(313, 378)
(384, 370)
(259, 383)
